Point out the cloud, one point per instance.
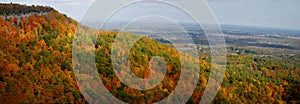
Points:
(267, 13)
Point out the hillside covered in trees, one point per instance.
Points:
(36, 65)
(17, 9)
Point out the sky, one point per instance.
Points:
(262, 13)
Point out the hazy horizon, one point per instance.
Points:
(258, 13)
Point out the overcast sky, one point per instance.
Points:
(264, 13)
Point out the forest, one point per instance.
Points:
(36, 65)
(17, 9)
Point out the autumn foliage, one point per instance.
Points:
(36, 66)
(35, 59)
